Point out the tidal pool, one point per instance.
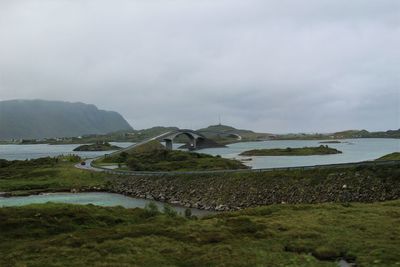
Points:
(95, 198)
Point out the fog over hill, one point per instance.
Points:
(44, 119)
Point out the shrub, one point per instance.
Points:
(188, 213)
(243, 225)
(151, 209)
(326, 253)
(170, 211)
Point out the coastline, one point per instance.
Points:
(235, 191)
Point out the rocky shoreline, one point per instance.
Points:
(235, 191)
(227, 192)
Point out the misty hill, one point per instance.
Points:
(139, 135)
(348, 134)
(227, 134)
(366, 134)
(44, 119)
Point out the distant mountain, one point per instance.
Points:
(36, 119)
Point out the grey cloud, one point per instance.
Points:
(274, 66)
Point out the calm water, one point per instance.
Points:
(99, 199)
(21, 152)
(353, 150)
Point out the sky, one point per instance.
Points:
(270, 66)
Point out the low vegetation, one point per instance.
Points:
(303, 151)
(98, 146)
(46, 175)
(349, 134)
(154, 157)
(367, 134)
(391, 156)
(276, 235)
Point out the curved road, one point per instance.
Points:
(89, 167)
(88, 162)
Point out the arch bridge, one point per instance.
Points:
(170, 136)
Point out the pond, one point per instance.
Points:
(95, 198)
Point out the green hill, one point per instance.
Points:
(391, 156)
(37, 119)
(227, 134)
(140, 135)
(366, 134)
(153, 156)
(99, 146)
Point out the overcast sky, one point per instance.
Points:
(272, 66)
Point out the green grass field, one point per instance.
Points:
(46, 175)
(276, 235)
(391, 156)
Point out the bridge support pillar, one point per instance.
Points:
(168, 144)
(194, 143)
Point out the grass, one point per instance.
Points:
(154, 157)
(276, 235)
(391, 156)
(164, 160)
(303, 151)
(98, 146)
(46, 175)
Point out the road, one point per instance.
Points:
(89, 164)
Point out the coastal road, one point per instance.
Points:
(88, 162)
(89, 166)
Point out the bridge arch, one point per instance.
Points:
(193, 137)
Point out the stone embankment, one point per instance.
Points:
(232, 191)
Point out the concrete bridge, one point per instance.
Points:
(192, 135)
(168, 138)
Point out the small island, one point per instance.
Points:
(330, 142)
(153, 156)
(302, 151)
(98, 146)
